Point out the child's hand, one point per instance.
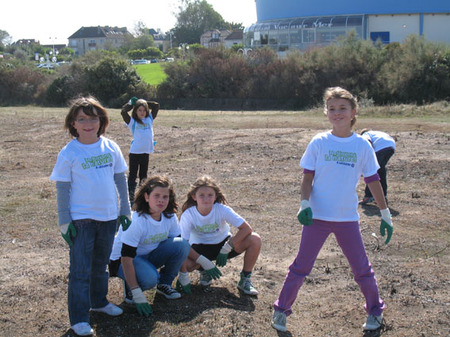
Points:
(304, 214)
(68, 232)
(142, 306)
(386, 224)
(221, 259)
(125, 221)
(209, 267)
(132, 101)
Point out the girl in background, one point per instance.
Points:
(88, 171)
(141, 126)
(205, 222)
(332, 166)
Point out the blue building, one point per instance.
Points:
(304, 24)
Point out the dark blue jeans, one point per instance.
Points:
(383, 157)
(88, 275)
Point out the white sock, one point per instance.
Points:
(183, 277)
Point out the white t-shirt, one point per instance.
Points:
(90, 169)
(142, 135)
(380, 140)
(210, 229)
(145, 233)
(338, 164)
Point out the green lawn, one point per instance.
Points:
(151, 73)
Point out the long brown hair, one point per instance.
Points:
(205, 181)
(141, 205)
(140, 102)
(91, 107)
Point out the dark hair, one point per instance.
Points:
(205, 181)
(141, 205)
(338, 92)
(140, 102)
(91, 107)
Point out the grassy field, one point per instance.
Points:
(151, 73)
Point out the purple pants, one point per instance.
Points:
(348, 236)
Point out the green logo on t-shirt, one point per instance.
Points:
(102, 160)
(347, 157)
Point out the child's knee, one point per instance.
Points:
(149, 281)
(255, 240)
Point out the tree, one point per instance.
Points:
(5, 38)
(196, 17)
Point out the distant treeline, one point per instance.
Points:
(414, 71)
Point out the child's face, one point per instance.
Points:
(87, 127)
(158, 200)
(205, 197)
(340, 112)
(141, 112)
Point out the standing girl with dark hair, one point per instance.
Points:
(89, 172)
(141, 126)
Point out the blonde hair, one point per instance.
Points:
(205, 181)
(338, 92)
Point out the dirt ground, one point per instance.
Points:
(255, 158)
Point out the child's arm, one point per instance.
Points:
(304, 214)
(68, 231)
(244, 230)
(377, 193)
(236, 243)
(386, 219)
(154, 106)
(124, 209)
(139, 298)
(124, 112)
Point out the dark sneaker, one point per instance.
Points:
(373, 322)
(366, 200)
(167, 291)
(245, 284)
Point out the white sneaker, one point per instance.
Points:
(110, 309)
(279, 321)
(373, 322)
(82, 329)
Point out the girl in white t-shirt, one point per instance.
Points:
(89, 172)
(332, 166)
(141, 127)
(205, 222)
(151, 242)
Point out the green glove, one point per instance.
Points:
(209, 267)
(386, 224)
(68, 232)
(221, 259)
(304, 214)
(125, 221)
(185, 288)
(142, 306)
(132, 100)
(214, 273)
